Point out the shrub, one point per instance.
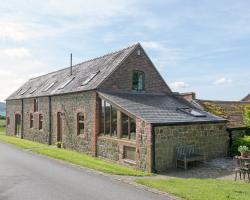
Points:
(244, 141)
(243, 149)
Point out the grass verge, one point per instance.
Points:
(2, 125)
(201, 189)
(73, 157)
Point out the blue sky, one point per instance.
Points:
(201, 46)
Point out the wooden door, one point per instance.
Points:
(18, 126)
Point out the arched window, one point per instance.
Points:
(18, 124)
(138, 83)
(40, 122)
(31, 120)
(8, 121)
(80, 123)
(36, 105)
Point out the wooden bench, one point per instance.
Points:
(188, 153)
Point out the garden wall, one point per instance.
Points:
(212, 138)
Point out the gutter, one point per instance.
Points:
(186, 123)
(153, 168)
(50, 122)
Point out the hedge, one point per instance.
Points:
(243, 141)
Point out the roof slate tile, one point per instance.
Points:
(157, 108)
(105, 65)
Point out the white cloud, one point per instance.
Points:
(16, 67)
(9, 82)
(15, 52)
(223, 81)
(178, 85)
(21, 27)
(64, 16)
(166, 55)
(153, 45)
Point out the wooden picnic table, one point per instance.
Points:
(243, 167)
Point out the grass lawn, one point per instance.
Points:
(2, 125)
(73, 157)
(201, 189)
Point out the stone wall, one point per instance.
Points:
(12, 107)
(121, 79)
(212, 138)
(113, 147)
(108, 147)
(69, 105)
(34, 133)
(144, 145)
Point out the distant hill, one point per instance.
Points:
(2, 109)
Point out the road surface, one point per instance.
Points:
(27, 176)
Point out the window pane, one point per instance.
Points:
(124, 126)
(129, 153)
(107, 118)
(135, 81)
(102, 128)
(81, 117)
(35, 105)
(80, 123)
(138, 81)
(81, 128)
(132, 128)
(114, 121)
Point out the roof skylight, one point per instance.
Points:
(49, 86)
(22, 92)
(19, 91)
(192, 112)
(33, 90)
(63, 85)
(89, 78)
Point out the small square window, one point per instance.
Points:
(129, 153)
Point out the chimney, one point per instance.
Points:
(189, 96)
(71, 64)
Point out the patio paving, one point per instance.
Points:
(222, 168)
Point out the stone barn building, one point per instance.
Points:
(116, 106)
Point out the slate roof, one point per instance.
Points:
(157, 108)
(103, 66)
(233, 111)
(246, 98)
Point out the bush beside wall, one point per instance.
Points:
(243, 141)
